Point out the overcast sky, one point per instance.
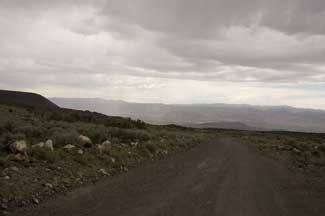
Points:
(267, 52)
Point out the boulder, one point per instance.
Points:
(80, 151)
(105, 146)
(85, 141)
(18, 147)
(107, 143)
(49, 145)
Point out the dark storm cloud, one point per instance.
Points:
(202, 31)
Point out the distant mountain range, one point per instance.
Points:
(229, 116)
(223, 116)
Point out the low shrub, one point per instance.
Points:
(322, 147)
(9, 126)
(86, 159)
(62, 137)
(2, 130)
(44, 154)
(152, 148)
(30, 131)
(127, 135)
(97, 133)
(7, 138)
(73, 116)
(58, 124)
(3, 159)
(120, 154)
(115, 140)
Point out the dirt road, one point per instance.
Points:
(220, 178)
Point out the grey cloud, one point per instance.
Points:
(184, 18)
(202, 19)
(192, 31)
(295, 16)
(187, 39)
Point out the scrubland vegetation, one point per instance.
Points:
(49, 151)
(304, 151)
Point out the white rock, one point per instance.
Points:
(38, 145)
(49, 185)
(104, 146)
(134, 143)
(103, 172)
(35, 200)
(49, 144)
(113, 160)
(296, 150)
(69, 147)
(85, 141)
(18, 146)
(80, 151)
(107, 143)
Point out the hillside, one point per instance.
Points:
(224, 125)
(25, 99)
(266, 117)
(57, 150)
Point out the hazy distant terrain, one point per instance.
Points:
(225, 125)
(231, 116)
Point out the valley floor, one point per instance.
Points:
(224, 177)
